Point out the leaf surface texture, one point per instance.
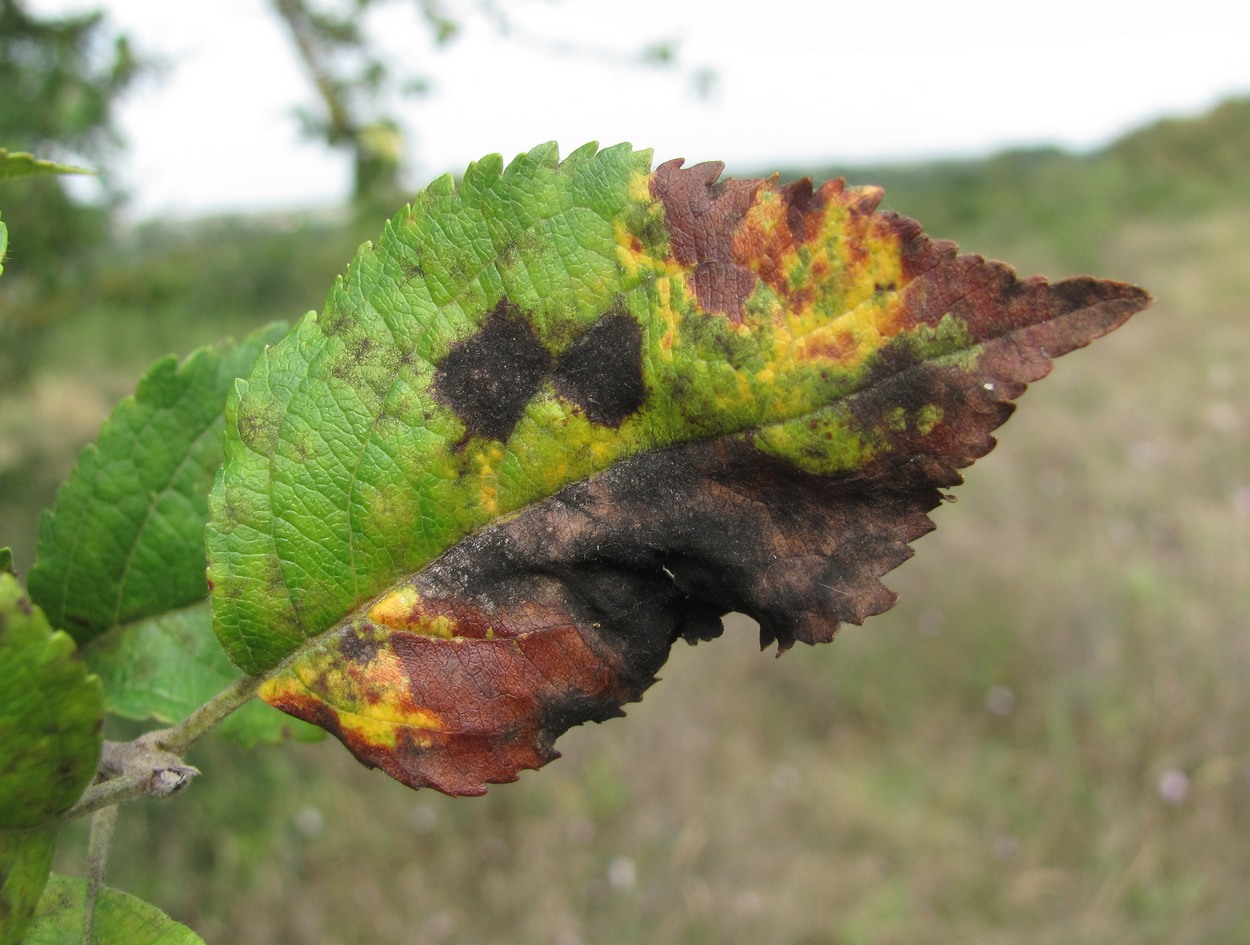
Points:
(118, 919)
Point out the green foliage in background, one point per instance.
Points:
(62, 79)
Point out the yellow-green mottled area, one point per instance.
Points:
(346, 471)
(370, 696)
(402, 610)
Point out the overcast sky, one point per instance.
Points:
(798, 82)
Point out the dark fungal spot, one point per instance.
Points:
(488, 378)
(805, 208)
(602, 372)
(358, 647)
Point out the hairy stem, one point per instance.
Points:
(101, 838)
(152, 764)
(178, 739)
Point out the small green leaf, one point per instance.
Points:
(165, 667)
(25, 860)
(14, 164)
(50, 715)
(126, 538)
(6, 561)
(119, 919)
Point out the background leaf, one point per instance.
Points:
(125, 540)
(119, 919)
(165, 667)
(14, 164)
(569, 412)
(25, 861)
(50, 721)
(50, 715)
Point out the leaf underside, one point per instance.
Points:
(566, 413)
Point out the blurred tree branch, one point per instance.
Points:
(357, 85)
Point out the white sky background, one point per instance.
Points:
(799, 83)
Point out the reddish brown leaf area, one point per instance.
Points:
(524, 661)
(710, 229)
(488, 707)
(702, 214)
(1021, 326)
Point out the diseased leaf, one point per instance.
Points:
(118, 919)
(565, 413)
(166, 667)
(25, 861)
(14, 164)
(126, 538)
(4, 244)
(50, 715)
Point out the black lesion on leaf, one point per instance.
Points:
(660, 546)
(490, 377)
(602, 371)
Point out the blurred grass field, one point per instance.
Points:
(1046, 741)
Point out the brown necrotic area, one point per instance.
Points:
(571, 607)
(488, 379)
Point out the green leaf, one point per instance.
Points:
(167, 666)
(15, 164)
(118, 919)
(567, 412)
(50, 715)
(126, 538)
(25, 861)
(6, 561)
